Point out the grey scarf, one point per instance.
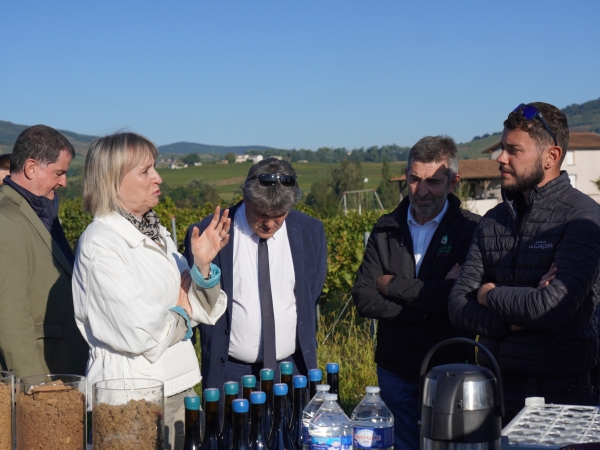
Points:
(149, 225)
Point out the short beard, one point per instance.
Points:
(527, 181)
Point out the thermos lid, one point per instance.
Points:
(258, 397)
(240, 405)
(315, 375)
(231, 388)
(280, 389)
(211, 395)
(330, 397)
(286, 368)
(192, 402)
(267, 374)
(333, 367)
(299, 381)
(373, 389)
(323, 388)
(249, 381)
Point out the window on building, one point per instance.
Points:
(573, 179)
(570, 158)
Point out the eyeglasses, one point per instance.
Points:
(269, 179)
(530, 113)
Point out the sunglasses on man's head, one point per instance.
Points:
(530, 113)
(269, 179)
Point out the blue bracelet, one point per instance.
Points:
(179, 310)
(215, 277)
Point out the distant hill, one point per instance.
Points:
(582, 118)
(190, 147)
(10, 131)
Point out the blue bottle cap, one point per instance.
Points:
(267, 374)
(231, 388)
(280, 389)
(333, 367)
(258, 397)
(192, 402)
(249, 381)
(299, 381)
(211, 395)
(315, 375)
(240, 405)
(286, 368)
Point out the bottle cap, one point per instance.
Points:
(315, 375)
(280, 389)
(240, 405)
(192, 402)
(373, 389)
(231, 388)
(323, 387)
(299, 381)
(328, 397)
(249, 381)
(258, 397)
(286, 368)
(211, 395)
(333, 367)
(267, 374)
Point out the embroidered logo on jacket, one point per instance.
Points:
(541, 245)
(445, 248)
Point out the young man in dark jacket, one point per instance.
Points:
(531, 280)
(412, 258)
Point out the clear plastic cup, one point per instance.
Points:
(128, 413)
(7, 401)
(51, 412)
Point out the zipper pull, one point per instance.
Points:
(512, 279)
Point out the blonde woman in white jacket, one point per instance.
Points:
(135, 299)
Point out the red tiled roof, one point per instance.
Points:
(577, 141)
(471, 169)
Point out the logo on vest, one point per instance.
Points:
(445, 248)
(541, 245)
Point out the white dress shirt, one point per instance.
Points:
(246, 324)
(421, 234)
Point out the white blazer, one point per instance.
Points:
(123, 287)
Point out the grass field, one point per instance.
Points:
(227, 178)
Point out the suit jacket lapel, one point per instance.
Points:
(30, 214)
(297, 249)
(225, 257)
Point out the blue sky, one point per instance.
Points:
(293, 74)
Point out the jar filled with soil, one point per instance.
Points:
(51, 412)
(7, 397)
(128, 414)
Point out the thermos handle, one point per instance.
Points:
(460, 340)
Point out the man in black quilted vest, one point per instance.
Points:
(531, 280)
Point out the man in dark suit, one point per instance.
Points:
(38, 333)
(272, 270)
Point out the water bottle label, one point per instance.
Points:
(305, 436)
(331, 443)
(365, 437)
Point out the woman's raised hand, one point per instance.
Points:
(205, 246)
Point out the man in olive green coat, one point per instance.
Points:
(38, 333)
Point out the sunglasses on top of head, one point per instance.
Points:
(269, 179)
(530, 113)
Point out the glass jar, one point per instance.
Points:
(51, 412)
(7, 401)
(128, 413)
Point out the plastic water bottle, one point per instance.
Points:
(310, 411)
(372, 423)
(330, 428)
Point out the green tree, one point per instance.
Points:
(194, 194)
(325, 195)
(387, 191)
(230, 157)
(190, 159)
